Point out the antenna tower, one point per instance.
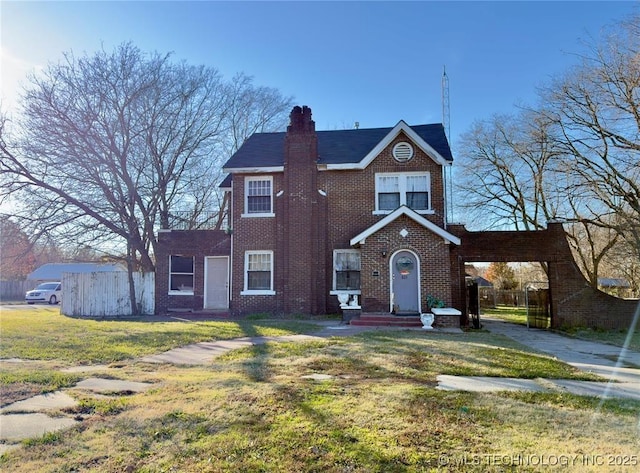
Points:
(446, 118)
(446, 123)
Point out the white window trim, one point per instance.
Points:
(193, 275)
(246, 213)
(403, 191)
(335, 291)
(258, 292)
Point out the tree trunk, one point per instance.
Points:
(132, 285)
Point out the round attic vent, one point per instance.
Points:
(402, 152)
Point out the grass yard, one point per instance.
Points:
(516, 315)
(44, 334)
(253, 410)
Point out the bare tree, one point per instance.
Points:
(590, 245)
(623, 262)
(504, 178)
(17, 256)
(108, 146)
(575, 158)
(253, 110)
(595, 109)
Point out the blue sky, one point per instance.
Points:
(371, 62)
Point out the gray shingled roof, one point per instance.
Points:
(334, 147)
(613, 282)
(53, 271)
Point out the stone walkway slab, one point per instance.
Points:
(16, 427)
(486, 384)
(318, 377)
(582, 388)
(42, 402)
(602, 390)
(102, 385)
(85, 368)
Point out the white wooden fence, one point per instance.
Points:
(106, 294)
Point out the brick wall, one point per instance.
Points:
(308, 225)
(252, 233)
(351, 202)
(574, 303)
(446, 321)
(433, 256)
(190, 243)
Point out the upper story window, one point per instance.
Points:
(258, 201)
(395, 189)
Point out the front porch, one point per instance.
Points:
(385, 319)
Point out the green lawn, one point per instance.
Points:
(253, 410)
(516, 315)
(45, 334)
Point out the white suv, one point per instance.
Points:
(50, 292)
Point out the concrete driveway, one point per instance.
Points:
(620, 368)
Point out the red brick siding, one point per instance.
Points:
(251, 233)
(197, 244)
(433, 256)
(309, 226)
(303, 227)
(446, 321)
(351, 194)
(351, 202)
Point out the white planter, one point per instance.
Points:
(343, 298)
(427, 321)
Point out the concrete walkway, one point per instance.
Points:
(205, 352)
(610, 362)
(619, 368)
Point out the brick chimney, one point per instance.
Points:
(302, 227)
(301, 141)
(300, 120)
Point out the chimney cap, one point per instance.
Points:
(300, 120)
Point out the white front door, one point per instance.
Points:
(405, 282)
(216, 282)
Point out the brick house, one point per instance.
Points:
(317, 213)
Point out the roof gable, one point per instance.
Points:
(412, 214)
(385, 141)
(339, 149)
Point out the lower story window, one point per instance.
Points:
(258, 272)
(346, 265)
(180, 274)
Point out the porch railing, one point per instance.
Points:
(186, 220)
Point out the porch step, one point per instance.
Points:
(190, 314)
(387, 320)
